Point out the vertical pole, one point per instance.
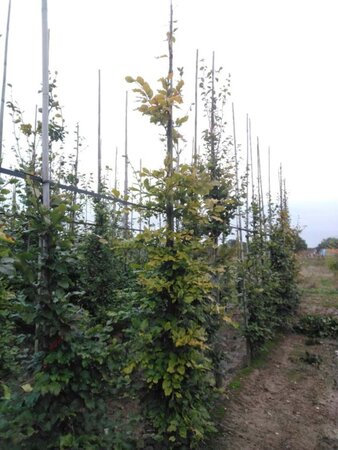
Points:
(240, 234)
(212, 118)
(115, 177)
(34, 141)
(196, 110)
(269, 195)
(75, 182)
(44, 240)
(170, 206)
(140, 198)
(247, 182)
(239, 211)
(126, 166)
(45, 107)
(99, 142)
(281, 187)
(260, 191)
(4, 77)
(251, 164)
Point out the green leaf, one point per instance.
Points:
(67, 441)
(64, 283)
(7, 392)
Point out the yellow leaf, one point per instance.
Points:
(115, 193)
(103, 241)
(128, 370)
(6, 238)
(27, 388)
(229, 320)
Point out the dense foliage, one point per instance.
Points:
(110, 338)
(330, 242)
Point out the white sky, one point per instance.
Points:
(281, 55)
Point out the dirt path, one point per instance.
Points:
(292, 401)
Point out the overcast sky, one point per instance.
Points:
(281, 56)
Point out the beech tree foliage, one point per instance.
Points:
(111, 339)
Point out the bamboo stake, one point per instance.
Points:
(269, 194)
(4, 77)
(239, 231)
(196, 110)
(281, 187)
(212, 118)
(34, 140)
(140, 197)
(251, 164)
(45, 107)
(76, 165)
(170, 205)
(247, 181)
(44, 240)
(115, 177)
(125, 221)
(260, 191)
(99, 142)
(239, 212)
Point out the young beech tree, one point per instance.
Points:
(284, 264)
(171, 350)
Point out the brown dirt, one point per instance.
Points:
(291, 402)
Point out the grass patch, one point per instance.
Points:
(321, 291)
(257, 363)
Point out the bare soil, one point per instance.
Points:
(291, 400)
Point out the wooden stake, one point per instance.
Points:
(76, 165)
(4, 77)
(251, 164)
(260, 191)
(269, 194)
(196, 110)
(99, 141)
(239, 212)
(126, 218)
(212, 118)
(247, 224)
(170, 169)
(45, 107)
(281, 187)
(140, 197)
(34, 141)
(239, 221)
(115, 177)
